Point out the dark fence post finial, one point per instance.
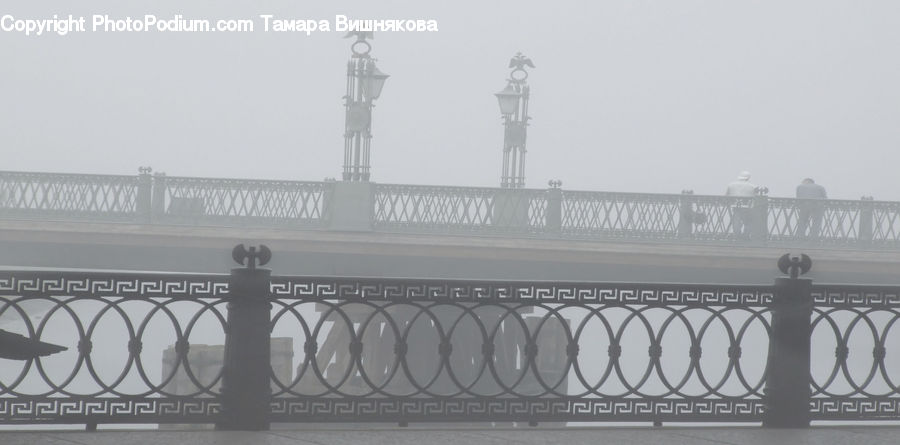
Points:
(246, 390)
(252, 255)
(794, 266)
(787, 390)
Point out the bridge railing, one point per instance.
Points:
(854, 376)
(556, 213)
(412, 350)
(459, 209)
(437, 350)
(656, 217)
(116, 328)
(230, 202)
(160, 199)
(548, 213)
(69, 196)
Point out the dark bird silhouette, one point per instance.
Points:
(18, 347)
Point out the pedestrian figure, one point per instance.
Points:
(811, 209)
(742, 215)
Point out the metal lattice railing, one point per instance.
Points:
(619, 215)
(552, 213)
(208, 201)
(459, 209)
(165, 200)
(68, 196)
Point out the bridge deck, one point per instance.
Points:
(323, 252)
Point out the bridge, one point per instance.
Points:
(151, 221)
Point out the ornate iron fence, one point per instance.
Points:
(107, 321)
(551, 213)
(423, 350)
(206, 201)
(69, 196)
(459, 209)
(856, 328)
(160, 199)
(400, 350)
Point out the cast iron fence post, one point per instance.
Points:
(246, 392)
(787, 391)
(144, 202)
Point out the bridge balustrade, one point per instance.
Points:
(551, 213)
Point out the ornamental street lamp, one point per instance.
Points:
(364, 84)
(513, 102)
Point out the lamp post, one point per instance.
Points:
(513, 102)
(364, 84)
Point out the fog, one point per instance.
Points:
(627, 95)
(635, 96)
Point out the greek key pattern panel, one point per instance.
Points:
(856, 296)
(332, 409)
(851, 408)
(135, 410)
(313, 288)
(113, 285)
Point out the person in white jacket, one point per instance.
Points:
(742, 216)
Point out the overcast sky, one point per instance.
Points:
(644, 96)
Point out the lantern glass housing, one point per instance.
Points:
(373, 83)
(508, 99)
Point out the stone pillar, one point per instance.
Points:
(352, 206)
(759, 232)
(866, 220)
(158, 200)
(143, 205)
(686, 214)
(554, 216)
(510, 208)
